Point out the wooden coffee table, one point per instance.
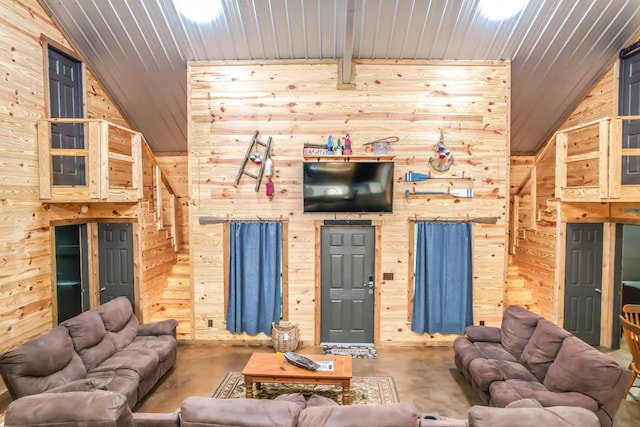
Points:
(264, 368)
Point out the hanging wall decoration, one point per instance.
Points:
(443, 158)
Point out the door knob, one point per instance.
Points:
(599, 290)
(370, 282)
(103, 289)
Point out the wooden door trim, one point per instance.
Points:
(377, 232)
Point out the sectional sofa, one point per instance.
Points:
(531, 357)
(107, 409)
(103, 348)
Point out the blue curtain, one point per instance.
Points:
(442, 301)
(255, 298)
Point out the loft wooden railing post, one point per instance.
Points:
(615, 158)
(158, 190)
(174, 236)
(136, 167)
(561, 165)
(604, 178)
(44, 158)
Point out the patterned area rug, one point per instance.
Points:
(357, 351)
(376, 390)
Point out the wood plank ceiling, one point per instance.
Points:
(140, 48)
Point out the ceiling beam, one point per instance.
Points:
(347, 54)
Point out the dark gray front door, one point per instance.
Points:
(583, 281)
(65, 98)
(347, 284)
(630, 106)
(115, 248)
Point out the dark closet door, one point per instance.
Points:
(115, 249)
(583, 281)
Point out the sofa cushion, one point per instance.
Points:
(485, 371)
(88, 334)
(317, 400)
(542, 348)
(200, 411)
(518, 325)
(123, 381)
(580, 367)
(116, 313)
(482, 333)
(389, 415)
(483, 416)
(494, 351)
(164, 345)
(125, 336)
(143, 361)
(97, 409)
(297, 398)
(502, 391)
(46, 362)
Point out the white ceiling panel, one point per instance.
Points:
(139, 48)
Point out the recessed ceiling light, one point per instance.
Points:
(501, 9)
(199, 10)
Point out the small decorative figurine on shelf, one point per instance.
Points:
(330, 145)
(444, 159)
(347, 145)
(339, 149)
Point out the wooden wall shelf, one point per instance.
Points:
(354, 157)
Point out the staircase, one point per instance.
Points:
(175, 301)
(517, 291)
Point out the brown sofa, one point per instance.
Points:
(530, 357)
(106, 409)
(103, 348)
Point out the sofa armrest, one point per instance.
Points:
(163, 327)
(483, 333)
(145, 419)
(75, 408)
(85, 384)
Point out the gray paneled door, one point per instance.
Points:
(66, 101)
(347, 284)
(115, 249)
(630, 106)
(583, 281)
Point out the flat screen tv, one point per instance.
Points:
(349, 187)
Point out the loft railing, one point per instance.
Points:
(103, 164)
(589, 162)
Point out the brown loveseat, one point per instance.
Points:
(106, 409)
(104, 348)
(530, 357)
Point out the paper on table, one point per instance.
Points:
(325, 365)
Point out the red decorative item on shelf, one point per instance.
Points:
(269, 188)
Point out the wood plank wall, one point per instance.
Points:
(25, 254)
(298, 103)
(536, 254)
(175, 167)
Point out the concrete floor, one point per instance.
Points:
(426, 377)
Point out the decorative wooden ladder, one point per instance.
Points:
(253, 146)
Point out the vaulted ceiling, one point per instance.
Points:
(139, 48)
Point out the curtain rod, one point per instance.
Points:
(206, 220)
(479, 220)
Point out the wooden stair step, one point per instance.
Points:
(179, 281)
